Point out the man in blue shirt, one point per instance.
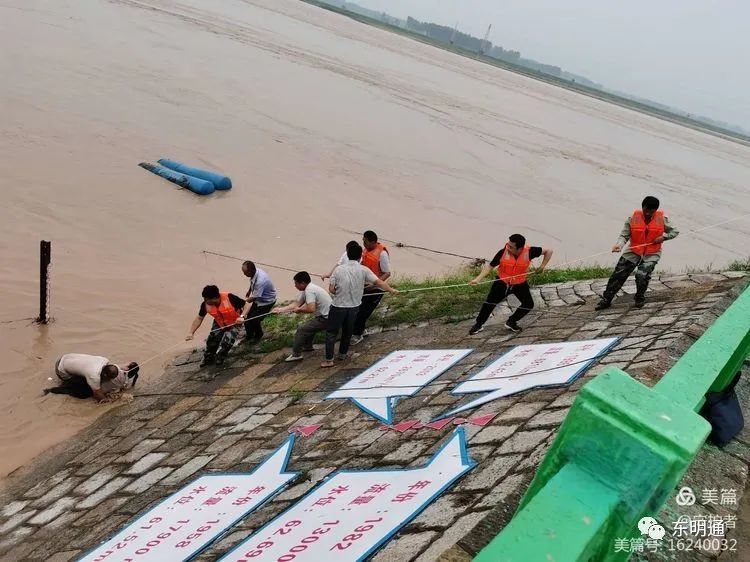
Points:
(261, 296)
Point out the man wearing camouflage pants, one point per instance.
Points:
(646, 229)
(226, 310)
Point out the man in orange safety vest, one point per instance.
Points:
(647, 228)
(512, 264)
(226, 310)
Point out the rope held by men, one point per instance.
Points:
(448, 286)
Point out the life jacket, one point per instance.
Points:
(512, 270)
(642, 234)
(225, 314)
(371, 258)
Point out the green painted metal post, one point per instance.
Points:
(620, 452)
(576, 510)
(710, 364)
(623, 439)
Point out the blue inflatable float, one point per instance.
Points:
(196, 185)
(220, 182)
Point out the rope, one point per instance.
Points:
(14, 321)
(255, 262)
(543, 312)
(482, 260)
(718, 224)
(440, 287)
(237, 325)
(436, 382)
(402, 245)
(530, 274)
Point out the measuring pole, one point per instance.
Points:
(45, 260)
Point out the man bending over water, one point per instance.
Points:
(86, 376)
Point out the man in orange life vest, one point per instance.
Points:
(375, 257)
(512, 263)
(226, 310)
(646, 229)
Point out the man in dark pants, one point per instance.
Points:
(261, 296)
(646, 229)
(347, 286)
(376, 258)
(512, 263)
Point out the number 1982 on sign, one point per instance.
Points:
(314, 537)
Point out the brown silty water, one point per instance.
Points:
(325, 125)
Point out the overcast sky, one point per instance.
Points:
(690, 54)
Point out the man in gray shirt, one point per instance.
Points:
(347, 286)
(311, 300)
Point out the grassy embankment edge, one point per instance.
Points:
(451, 304)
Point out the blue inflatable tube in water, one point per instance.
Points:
(220, 182)
(196, 185)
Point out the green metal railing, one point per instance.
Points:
(620, 452)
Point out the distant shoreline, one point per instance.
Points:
(567, 84)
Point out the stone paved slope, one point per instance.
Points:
(77, 494)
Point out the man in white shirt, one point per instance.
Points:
(84, 376)
(347, 286)
(311, 300)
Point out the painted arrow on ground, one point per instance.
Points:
(531, 366)
(355, 512)
(399, 374)
(186, 522)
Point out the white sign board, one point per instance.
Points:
(354, 512)
(401, 373)
(531, 366)
(189, 520)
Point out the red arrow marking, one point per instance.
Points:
(482, 420)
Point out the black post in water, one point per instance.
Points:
(45, 259)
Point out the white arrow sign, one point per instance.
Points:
(401, 373)
(189, 520)
(531, 366)
(354, 512)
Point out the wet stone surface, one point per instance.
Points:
(53, 508)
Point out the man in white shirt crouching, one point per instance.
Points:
(86, 376)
